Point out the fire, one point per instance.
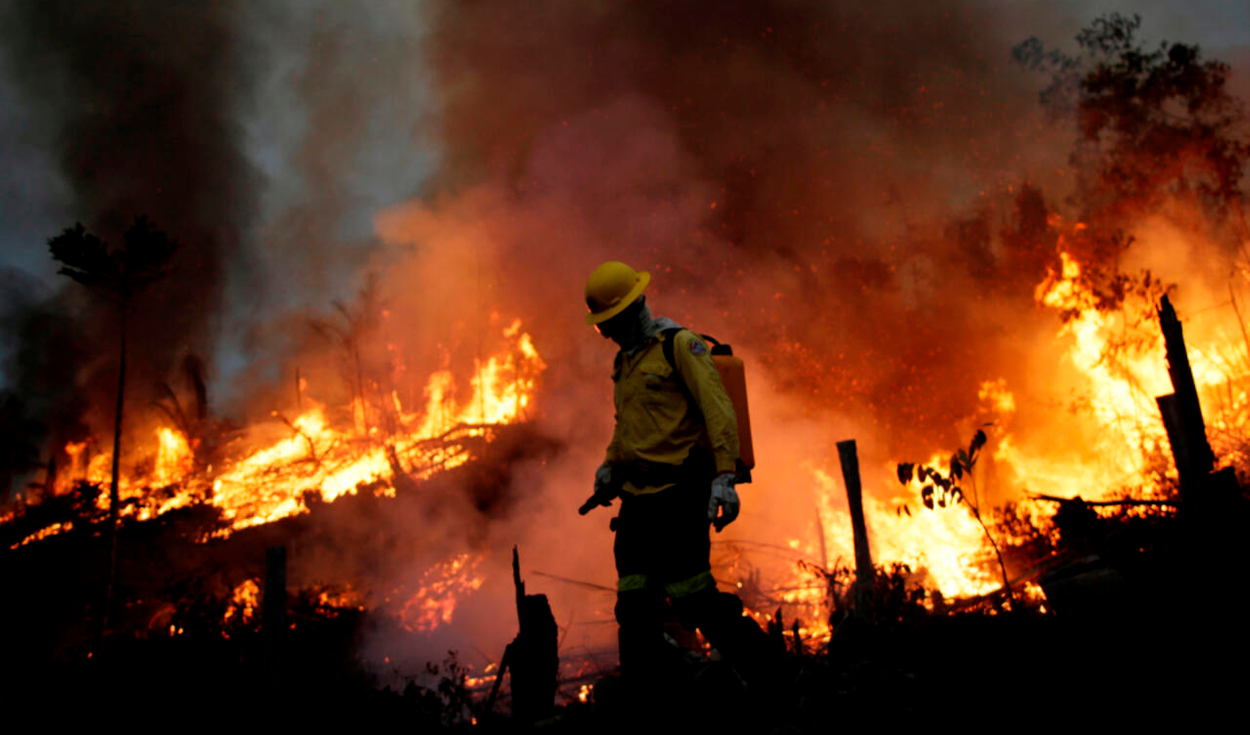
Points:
(243, 603)
(173, 458)
(1110, 440)
(945, 544)
(345, 598)
(268, 483)
(1119, 358)
(439, 591)
(43, 533)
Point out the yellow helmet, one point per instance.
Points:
(612, 287)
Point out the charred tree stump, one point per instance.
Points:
(273, 619)
(1182, 414)
(863, 556)
(532, 656)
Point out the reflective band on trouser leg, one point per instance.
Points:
(686, 587)
(632, 582)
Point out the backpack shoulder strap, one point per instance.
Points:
(666, 345)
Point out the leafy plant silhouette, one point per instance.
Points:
(943, 489)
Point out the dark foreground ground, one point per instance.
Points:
(968, 671)
(1152, 635)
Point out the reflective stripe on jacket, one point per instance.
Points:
(663, 414)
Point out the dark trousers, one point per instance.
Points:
(662, 552)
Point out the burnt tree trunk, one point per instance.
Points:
(1188, 469)
(110, 571)
(854, 494)
(1182, 414)
(532, 656)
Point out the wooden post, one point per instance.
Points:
(1187, 428)
(273, 618)
(854, 495)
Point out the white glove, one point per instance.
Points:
(723, 496)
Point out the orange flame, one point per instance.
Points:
(269, 483)
(243, 603)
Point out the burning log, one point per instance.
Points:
(854, 493)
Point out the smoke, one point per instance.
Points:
(832, 188)
(335, 126)
(136, 99)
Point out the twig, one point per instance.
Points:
(1002, 565)
(1240, 322)
(578, 582)
(564, 633)
(1127, 501)
(494, 690)
(312, 448)
(820, 534)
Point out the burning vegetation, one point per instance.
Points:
(1046, 463)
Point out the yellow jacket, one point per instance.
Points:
(663, 414)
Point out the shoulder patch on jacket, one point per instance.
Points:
(697, 348)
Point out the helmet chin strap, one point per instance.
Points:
(635, 328)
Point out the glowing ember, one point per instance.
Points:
(345, 598)
(43, 533)
(439, 591)
(243, 603)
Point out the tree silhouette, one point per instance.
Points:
(117, 275)
(1152, 124)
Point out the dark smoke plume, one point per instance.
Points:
(139, 98)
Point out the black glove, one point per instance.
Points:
(605, 490)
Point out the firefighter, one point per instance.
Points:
(672, 461)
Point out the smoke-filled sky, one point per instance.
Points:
(286, 126)
(782, 166)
